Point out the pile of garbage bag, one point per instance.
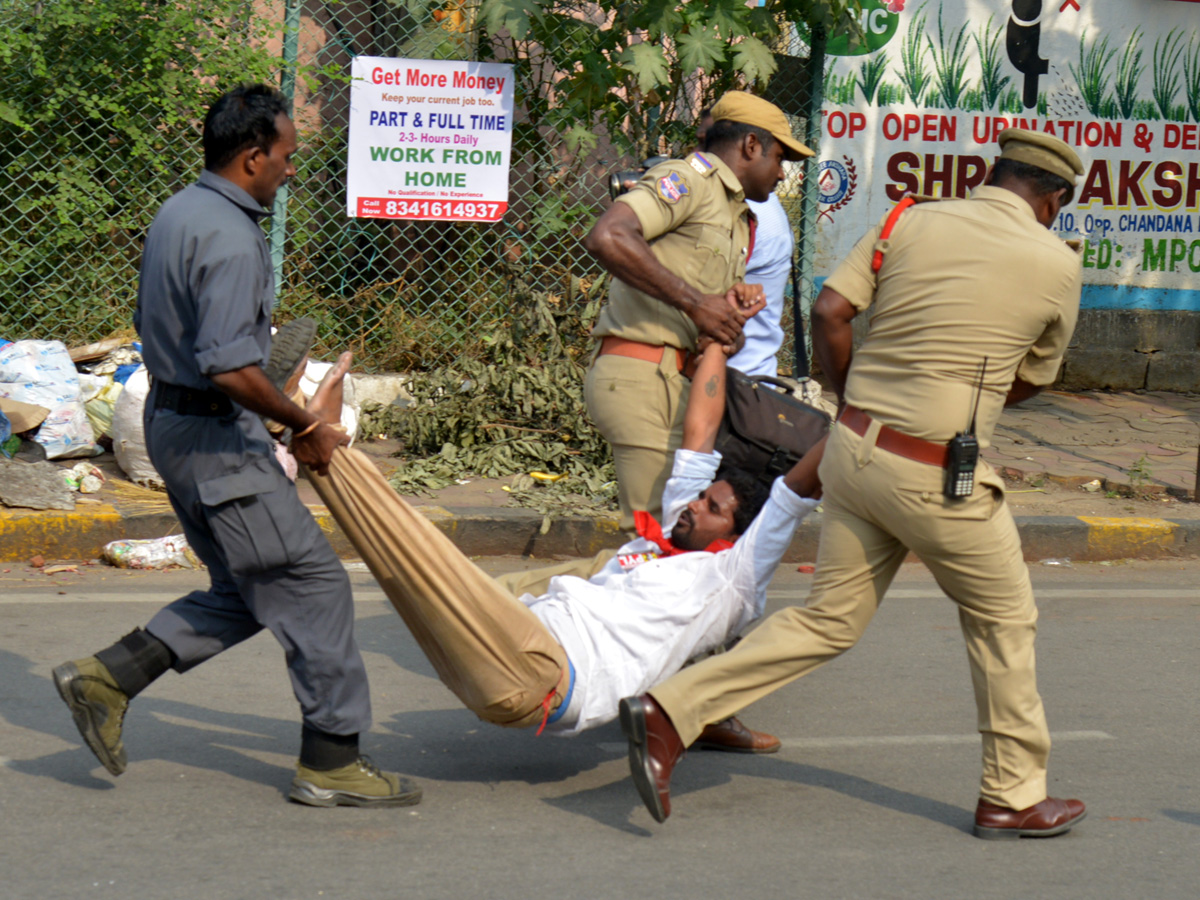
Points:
(60, 403)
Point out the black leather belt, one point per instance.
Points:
(191, 401)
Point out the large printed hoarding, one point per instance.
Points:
(918, 107)
(429, 139)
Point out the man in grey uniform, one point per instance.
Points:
(204, 314)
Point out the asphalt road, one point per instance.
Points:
(871, 796)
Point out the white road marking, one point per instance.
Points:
(894, 740)
(1038, 594)
(30, 591)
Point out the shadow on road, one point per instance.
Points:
(611, 804)
(1187, 817)
(215, 742)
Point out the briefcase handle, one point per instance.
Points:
(771, 380)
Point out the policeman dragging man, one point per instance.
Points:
(972, 305)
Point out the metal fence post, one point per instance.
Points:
(810, 190)
(287, 84)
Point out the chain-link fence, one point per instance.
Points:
(100, 111)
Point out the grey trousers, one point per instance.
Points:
(270, 565)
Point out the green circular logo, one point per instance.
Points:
(878, 23)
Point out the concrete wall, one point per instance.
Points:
(1131, 349)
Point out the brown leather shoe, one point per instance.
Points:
(1050, 817)
(654, 748)
(734, 737)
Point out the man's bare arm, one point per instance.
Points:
(250, 387)
(706, 402)
(802, 477)
(1020, 391)
(833, 337)
(618, 243)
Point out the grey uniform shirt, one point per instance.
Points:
(206, 285)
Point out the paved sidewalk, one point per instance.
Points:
(1092, 476)
(1133, 443)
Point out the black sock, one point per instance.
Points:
(322, 751)
(136, 660)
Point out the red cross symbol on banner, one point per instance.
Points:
(1074, 4)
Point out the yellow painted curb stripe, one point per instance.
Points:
(12, 519)
(1129, 536)
(58, 534)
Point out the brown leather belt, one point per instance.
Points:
(654, 353)
(894, 441)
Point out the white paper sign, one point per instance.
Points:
(429, 139)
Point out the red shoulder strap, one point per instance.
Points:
(886, 231)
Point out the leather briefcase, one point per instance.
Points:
(766, 430)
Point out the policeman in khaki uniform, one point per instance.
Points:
(955, 283)
(677, 244)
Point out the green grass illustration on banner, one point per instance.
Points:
(992, 80)
(1191, 77)
(913, 74)
(949, 63)
(871, 74)
(1092, 74)
(1167, 51)
(1129, 73)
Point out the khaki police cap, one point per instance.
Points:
(738, 106)
(1042, 150)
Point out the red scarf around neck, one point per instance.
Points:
(649, 528)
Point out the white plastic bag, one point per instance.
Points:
(41, 372)
(129, 434)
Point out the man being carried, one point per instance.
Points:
(563, 659)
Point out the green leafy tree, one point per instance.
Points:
(638, 72)
(97, 99)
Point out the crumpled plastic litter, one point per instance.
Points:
(84, 477)
(153, 553)
(129, 355)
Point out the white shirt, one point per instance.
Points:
(625, 631)
(771, 266)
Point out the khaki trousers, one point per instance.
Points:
(486, 646)
(877, 507)
(638, 407)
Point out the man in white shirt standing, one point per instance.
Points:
(771, 266)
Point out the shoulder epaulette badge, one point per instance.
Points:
(700, 164)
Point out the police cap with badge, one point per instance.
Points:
(1041, 150)
(735, 106)
(738, 106)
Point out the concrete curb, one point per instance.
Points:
(484, 531)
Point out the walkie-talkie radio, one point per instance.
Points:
(963, 453)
